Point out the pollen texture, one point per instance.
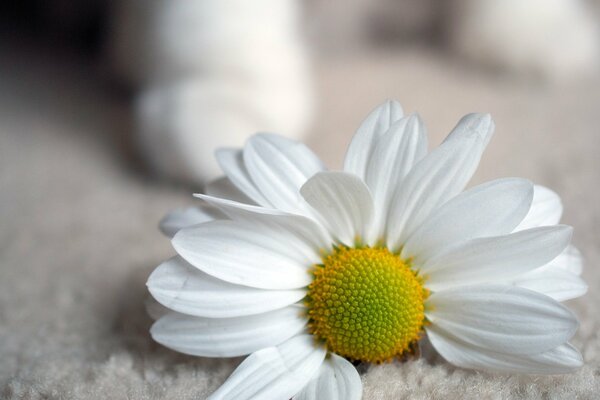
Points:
(366, 304)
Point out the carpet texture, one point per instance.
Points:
(78, 233)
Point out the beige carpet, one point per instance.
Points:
(78, 230)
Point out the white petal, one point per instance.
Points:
(560, 360)
(275, 372)
(243, 253)
(224, 189)
(437, 178)
(496, 258)
(310, 231)
(570, 260)
(228, 337)
(239, 211)
(232, 164)
(490, 209)
(404, 144)
(344, 202)
(186, 217)
(501, 318)
(279, 167)
(554, 282)
(365, 139)
(297, 152)
(546, 209)
(337, 380)
(185, 289)
(480, 124)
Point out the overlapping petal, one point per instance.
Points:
(223, 188)
(337, 380)
(274, 372)
(554, 282)
(185, 289)
(240, 252)
(344, 203)
(377, 123)
(176, 220)
(232, 164)
(279, 167)
(438, 177)
(228, 337)
(490, 209)
(569, 260)
(303, 227)
(501, 318)
(560, 360)
(395, 153)
(496, 259)
(546, 209)
(559, 278)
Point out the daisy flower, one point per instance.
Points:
(307, 270)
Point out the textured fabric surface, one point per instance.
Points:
(78, 234)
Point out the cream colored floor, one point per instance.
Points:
(78, 224)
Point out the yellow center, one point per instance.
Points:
(366, 304)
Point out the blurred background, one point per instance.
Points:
(110, 112)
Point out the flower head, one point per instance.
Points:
(306, 270)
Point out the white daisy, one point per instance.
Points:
(305, 269)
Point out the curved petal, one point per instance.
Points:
(490, 209)
(337, 379)
(559, 360)
(554, 282)
(344, 202)
(227, 337)
(297, 152)
(224, 189)
(310, 231)
(274, 372)
(244, 253)
(437, 178)
(546, 209)
(570, 260)
(370, 130)
(501, 318)
(478, 123)
(176, 220)
(279, 167)
(185, 289)
(232, 164)
(240, 211)
(396, 152)
(497, 258)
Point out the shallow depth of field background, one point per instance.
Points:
(80, 197)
